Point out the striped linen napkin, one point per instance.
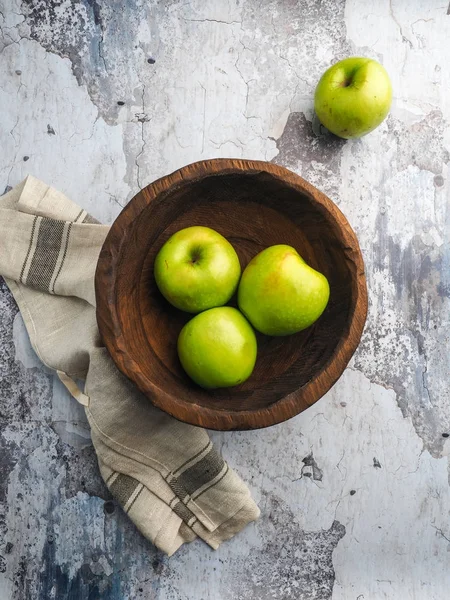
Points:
(167, 475)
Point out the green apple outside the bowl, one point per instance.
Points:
(353, 97)
(280, 294)
(217, 348)
(197, 269)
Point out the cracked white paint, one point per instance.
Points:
(234, 79)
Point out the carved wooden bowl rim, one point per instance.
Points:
(212, 417)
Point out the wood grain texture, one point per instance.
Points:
(254, 205)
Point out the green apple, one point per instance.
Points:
(197, 269)
(353, 97)
(217, 348)
(280, 294)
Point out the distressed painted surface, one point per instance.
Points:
(100, 98)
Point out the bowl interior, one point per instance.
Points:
(253, 211)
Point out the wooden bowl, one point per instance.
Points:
(254, 205)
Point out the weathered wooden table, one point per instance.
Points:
(98, 98)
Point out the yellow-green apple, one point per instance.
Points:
(280, 294)
(353, 97)
(217, 348)
(197, 269)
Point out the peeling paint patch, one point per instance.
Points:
(421, 144)
(82, 472)
(85, 32)
(316, 157)
(316, 472)
(19, 387)
(291, 563)
(405, 333)
(70, 30)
